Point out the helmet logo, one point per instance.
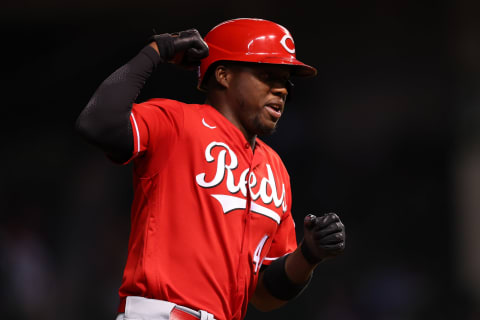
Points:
(289, 46)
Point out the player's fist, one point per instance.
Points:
(185, 48)
(324, 237)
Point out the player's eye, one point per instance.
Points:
(264, 76)
(274, 78)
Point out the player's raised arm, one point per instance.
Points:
(105, 121)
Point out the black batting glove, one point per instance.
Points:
(184, 48)
(324, 237)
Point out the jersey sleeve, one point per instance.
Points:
(285, 239)
(156, 126)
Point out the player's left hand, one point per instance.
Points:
(324, 237)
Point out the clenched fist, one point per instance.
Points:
(324, 237)
(185, 48)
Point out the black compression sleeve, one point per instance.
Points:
(105, 121)
(278, 284)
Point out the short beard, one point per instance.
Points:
(264, 130)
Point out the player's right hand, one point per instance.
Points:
(184, 48)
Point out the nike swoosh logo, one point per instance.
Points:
(207, 125)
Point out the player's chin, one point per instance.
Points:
(265, 125)
(267, 129)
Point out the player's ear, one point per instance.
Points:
(223, 75)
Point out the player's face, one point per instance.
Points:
(259, 92)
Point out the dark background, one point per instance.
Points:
(386, 136)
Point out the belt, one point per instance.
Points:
(143, 308)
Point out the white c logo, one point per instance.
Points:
(283, 42)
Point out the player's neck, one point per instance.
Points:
(228, 113)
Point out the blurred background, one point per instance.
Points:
(387, 135)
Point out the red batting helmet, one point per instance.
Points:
(251, 40)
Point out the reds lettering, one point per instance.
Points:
(244, 185)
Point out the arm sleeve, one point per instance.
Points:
(106, 121)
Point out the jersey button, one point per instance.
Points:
(247, 145)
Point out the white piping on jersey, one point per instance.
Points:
(270, 259)
(275, 258)
(207, 125)
(136, 130)
(230, 203)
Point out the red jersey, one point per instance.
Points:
(207, 210)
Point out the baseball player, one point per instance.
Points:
(211, 222)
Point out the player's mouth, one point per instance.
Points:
(274, 109)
